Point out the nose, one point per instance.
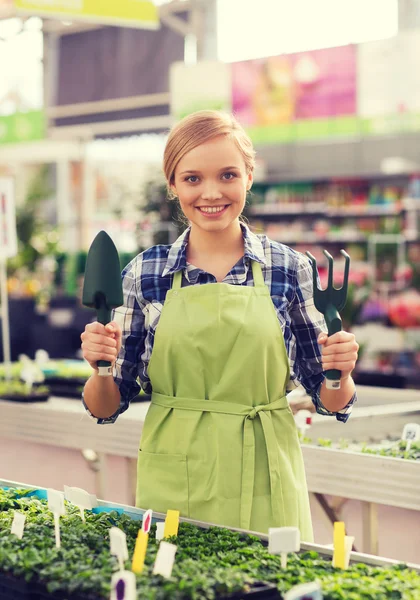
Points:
(211, 191)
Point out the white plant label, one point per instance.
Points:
(56, 502)
(119, 545)
(160, 528)
(56, 506)
(411, 433)
(282, 540)
(165, 559)
(123, 586)
(80, 498)
(305, 591)
(18, 524)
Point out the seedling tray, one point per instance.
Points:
(18, 589)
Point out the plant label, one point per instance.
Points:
(339, 557)
(80, 498)
(282, 540)
(305, 591)
(123, 586)
(147, 521)
(171, 523)
(165, 559)
(160, 530)
(140, 552)
(119, 545)
(56, 502)
(18, 524)
(349, 541)
(303, 420)
(411, 433)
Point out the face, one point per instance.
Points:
(211, 183)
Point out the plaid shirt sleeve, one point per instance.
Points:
(306, 324)
(128, 365)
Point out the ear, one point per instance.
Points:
(173, 189)
(250, 179)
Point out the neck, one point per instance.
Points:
(205, 243)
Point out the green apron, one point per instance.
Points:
(219, 442)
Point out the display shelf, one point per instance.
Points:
(65, 424)
(323, 551)
(310, 209)
(366, 477)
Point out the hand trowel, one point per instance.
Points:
(102, 288)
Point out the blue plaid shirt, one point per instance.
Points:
(288, 276)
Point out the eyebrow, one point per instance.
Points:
(220, 170)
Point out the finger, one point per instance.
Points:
(113, 327)
(92, 356)
(340, 337)
(99, 339)
(89, 346)
(341, 365)
(322, 338)
(95, 327)
(340, 348)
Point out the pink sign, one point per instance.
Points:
(307, 85)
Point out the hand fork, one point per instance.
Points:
(329, 302)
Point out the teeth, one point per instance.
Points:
(213, 209)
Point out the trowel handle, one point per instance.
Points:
(334, 325)
(104, 316)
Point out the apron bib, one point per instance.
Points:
(219, 442)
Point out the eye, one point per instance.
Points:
(229, 176)
(192, 179)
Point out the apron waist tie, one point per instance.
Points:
(249, 413)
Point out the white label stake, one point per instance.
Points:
(160, 528)
(165, 559)
(304, 591)
(119, 545)
(282, 540)
(80, 498)
(411, 433)
(56, 506)
(18, 524)
(123, 586)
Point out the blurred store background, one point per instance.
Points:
(329, 92)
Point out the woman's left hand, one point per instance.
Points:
(339, 352)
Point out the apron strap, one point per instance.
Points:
(177, 281)
(248, 413)
(257, 274)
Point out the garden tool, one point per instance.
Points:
(329, 302)
(102, 288)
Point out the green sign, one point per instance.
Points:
(22, 127)
(351, 126)
(125, 13)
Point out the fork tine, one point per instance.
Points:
(330, 269)
(314, 270)
(346, 271)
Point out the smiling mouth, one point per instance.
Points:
(211, 210)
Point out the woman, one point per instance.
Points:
(215, 326)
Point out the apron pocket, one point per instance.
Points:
(162, 482)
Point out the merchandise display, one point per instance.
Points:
(210, 562)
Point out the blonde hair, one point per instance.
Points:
(198, 128)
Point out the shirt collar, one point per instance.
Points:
(177, 257)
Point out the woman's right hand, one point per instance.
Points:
(101, 342)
